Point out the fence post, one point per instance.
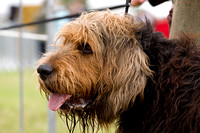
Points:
(20, 65)
(49, 30)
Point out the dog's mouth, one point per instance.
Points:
(63, 101)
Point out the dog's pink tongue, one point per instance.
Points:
(57, 100)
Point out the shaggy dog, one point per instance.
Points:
(114, 68)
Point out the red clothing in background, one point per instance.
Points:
(162, 26)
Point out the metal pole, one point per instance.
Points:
(51, 115)
(20, 50)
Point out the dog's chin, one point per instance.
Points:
(75, 104)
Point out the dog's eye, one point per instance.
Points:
(85, 48)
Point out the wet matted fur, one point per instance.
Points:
(113, 68)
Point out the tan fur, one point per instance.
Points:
(118, 67)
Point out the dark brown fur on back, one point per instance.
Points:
(172, 99)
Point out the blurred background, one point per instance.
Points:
(22, 107)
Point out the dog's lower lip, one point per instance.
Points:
(75, 104)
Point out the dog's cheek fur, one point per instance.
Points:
(125, 76)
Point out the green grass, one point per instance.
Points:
(35, 105)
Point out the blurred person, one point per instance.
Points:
(76, 6)
(13, 14)
(159, 24)
(41, 29)
(67, 7)
(152, 2)
(60, 10)
(186, 17)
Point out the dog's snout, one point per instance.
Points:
(45, 70)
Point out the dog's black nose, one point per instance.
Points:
(44, 70)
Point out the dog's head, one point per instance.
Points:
(98, 69)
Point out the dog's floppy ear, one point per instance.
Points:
(125, 66)
(126, 72)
